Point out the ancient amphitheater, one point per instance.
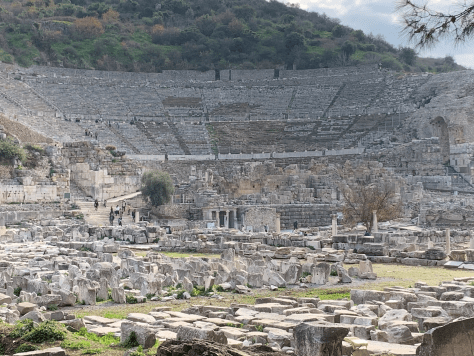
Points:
(259, 160)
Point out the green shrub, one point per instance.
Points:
(259, 328)
(138, 351)
(200, 291)
(218, 288)
(131, 341)
(35, 148)
(305, 274)
(47, 331)
(333, 273)
(52, 307)
(17, 291)
(150, 295)
(131, 299)
(10, 150)
(181, 294)
(26, 348)
(22, 328)
(92, 351)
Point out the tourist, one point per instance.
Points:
(295, 225)
(96, 204)
(111, 219)
(120, 221)
(117, 210)
(133, 215)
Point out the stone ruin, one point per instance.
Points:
(250, 153)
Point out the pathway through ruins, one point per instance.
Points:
(101, 216)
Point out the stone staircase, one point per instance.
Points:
(334, 100)
(458, 181)
(100, 217)
(178, 137)
(77, 194)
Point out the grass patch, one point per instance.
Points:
(115, 315)
(105, 340)
(92, 351)
(75, 344)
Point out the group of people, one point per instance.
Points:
(118, 211)
(89, 133)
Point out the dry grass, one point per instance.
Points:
(22, 132)
(406, 276)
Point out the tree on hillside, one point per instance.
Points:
(408, 55)
(360, 200)
(157, 187)
(425, 26)
(89, 27)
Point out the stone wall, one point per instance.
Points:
(15, 217)
(98, 173)
(306, 215)
(258, 217)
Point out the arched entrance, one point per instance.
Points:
(441, 130)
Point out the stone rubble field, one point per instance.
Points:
(49, 269)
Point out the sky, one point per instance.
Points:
(379, 17)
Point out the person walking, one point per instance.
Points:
(111, 219)
(133, 215)
(117, 210)
(295, 225)
(120, 221)
(96, 205)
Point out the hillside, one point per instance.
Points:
(153, 35)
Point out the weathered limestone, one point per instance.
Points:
(451, 339)
(145, 336)
(316, 339)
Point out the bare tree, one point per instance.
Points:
(425, 26)
(360, 200)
